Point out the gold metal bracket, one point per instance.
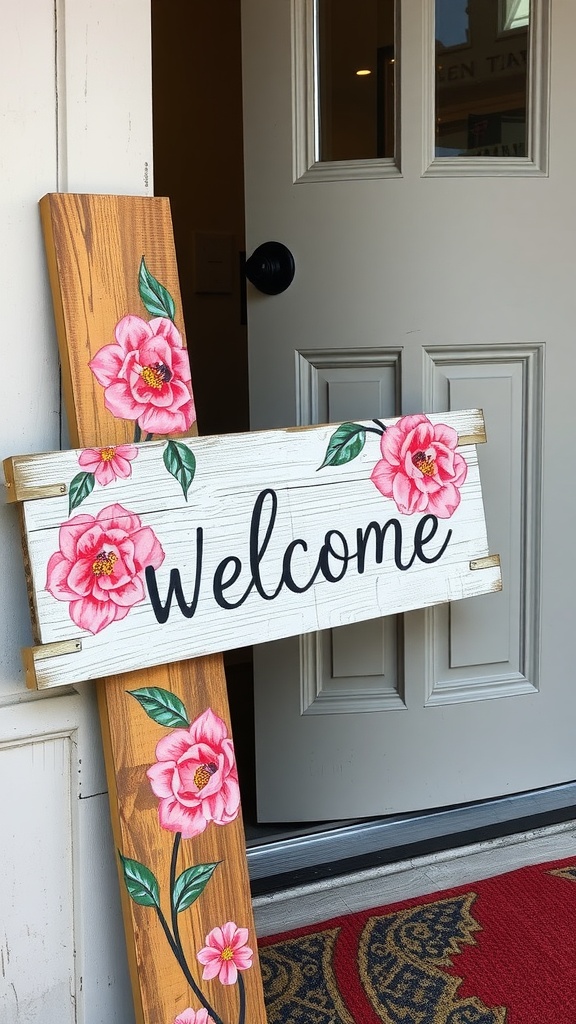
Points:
(31, 656)
(17, 486)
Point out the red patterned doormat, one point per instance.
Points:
(499, 951)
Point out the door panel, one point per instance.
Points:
(490, 647)
(357, 666)
(438, 284)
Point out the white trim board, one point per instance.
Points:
(418, 876)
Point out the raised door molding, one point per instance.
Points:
(357, 668)
(477, 649)
(536, 162)
(305, 134)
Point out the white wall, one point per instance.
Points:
(75, 115)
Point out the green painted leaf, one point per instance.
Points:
(154, 295)
(82, 485)
(162, 706)
(345, 444)
(140, 882)
(181, 463)
(191, 884)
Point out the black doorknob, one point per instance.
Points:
(271, 268)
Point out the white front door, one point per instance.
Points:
(425, 281)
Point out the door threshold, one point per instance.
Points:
(390, 883)
(337, 848)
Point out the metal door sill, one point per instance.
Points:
(290, 859)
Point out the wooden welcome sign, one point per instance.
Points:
(147, 545)
(176, 549)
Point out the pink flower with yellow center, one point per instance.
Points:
(195, 776)
(108, 464)
(100, 565)
(146, 375)
(420, 468)
(225, 953)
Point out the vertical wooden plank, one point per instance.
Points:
(94, 247)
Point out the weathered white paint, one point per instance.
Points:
(417, 293)
(62, 950)
(75, 112)
(254, 497)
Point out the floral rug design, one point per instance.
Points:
(499, 951)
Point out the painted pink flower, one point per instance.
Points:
(195, 777)
(107, 464)
(146, 375)
(225, 953)
(100, 566)
(420, 468)
(191, 1016)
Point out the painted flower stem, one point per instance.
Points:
(177, 951)
(173, 911)
(176, 944)
(242, 994)
(381, 425)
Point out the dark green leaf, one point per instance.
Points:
(181, 463)
(81, 486)
(345, 444)
(140, 882)
(154, 295)
(162, 706)
(190, 885)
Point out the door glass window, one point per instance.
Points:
(482, 67)
(356, 79)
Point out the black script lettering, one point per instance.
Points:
(380, 532)
(257, 552)
(219, 584)
(326, 550)
(162, 611)
(287, 576)
(420, 539)
(334, 558)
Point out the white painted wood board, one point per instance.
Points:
(248, 589)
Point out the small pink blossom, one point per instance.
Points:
(100, 565)
(146, 375)
(191, 1016)
(195, 777)
(225, 953)
(107, 464)
(420, 468)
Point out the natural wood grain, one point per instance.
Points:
(274, 597)
(94, 245)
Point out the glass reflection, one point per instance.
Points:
(482, 77)
(356, 78)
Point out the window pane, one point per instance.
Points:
(482, 77)
(356, 75)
